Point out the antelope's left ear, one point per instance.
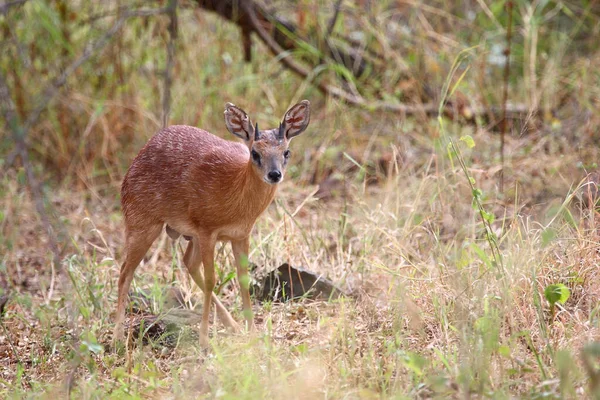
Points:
(238, 122)
(296, 119)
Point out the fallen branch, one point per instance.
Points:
(275, 34)
(281, 31)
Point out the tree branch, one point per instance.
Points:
(251, 17)
(286, 59)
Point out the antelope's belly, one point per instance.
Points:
(234, 232)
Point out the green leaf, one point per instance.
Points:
(557, 293)
(228, 278)
(488, 217)
(90, 344)
(468, 140)
(95, 348)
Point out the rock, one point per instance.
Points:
(287, 282)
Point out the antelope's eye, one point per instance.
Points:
(287, 154)
(255, 156)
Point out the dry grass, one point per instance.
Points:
(430, 316)
(393, 222)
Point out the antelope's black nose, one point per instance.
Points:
(274, 176)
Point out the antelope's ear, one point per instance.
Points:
(238, 122)
(296, 119)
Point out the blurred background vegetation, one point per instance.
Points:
(101, 73)
(448, 176)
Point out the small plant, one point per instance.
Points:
(556, 293)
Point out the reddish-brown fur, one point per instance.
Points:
(206, 181)
(207, 189)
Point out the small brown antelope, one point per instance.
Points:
(209, 190)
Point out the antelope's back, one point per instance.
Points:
(166, 174)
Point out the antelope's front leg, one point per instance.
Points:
(207, 251)
(240, 252)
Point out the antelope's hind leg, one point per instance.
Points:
(137, 244)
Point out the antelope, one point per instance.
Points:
(207, 189)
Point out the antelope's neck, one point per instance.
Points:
(252, 192)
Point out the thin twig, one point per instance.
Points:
(509, 7)
(53, 87)
(166, 106)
